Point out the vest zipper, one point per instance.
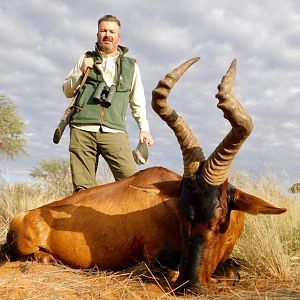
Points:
(102, 110)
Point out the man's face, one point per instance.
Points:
(108, 36)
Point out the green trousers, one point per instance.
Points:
(85, 148)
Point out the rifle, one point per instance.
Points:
(65, 120)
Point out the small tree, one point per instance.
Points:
(55, 176)
(12, 142)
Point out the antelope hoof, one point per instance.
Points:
(194, 288)
(44, 258)
(227, 272)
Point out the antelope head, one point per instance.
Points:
(206, 198)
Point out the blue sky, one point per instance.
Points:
(42, 39)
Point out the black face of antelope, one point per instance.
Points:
(206, 198)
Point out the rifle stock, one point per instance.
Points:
(63, 123)
(65, 120)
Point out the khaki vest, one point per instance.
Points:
(90, 112)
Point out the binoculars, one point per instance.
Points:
(104, 94)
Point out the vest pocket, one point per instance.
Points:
(84, 96)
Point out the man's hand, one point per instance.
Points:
(88, 62)
(146, 137)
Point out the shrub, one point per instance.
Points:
(55, 177)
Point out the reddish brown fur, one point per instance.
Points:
(118, 224)
(108, 226)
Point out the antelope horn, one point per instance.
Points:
(190, 148)
(216, 167)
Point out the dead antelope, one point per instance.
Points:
(192, 221)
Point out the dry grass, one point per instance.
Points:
(30, 280)
(268, 243)
(19, 197)
(268, 253)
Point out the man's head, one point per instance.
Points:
(108, 36)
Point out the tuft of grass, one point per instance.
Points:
(17, 198)
(268, 242)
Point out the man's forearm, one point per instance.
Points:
(73, 80)
(138, 101)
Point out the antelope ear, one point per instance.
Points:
(254, 205)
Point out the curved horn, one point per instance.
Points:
(191, 150)
(216, 167)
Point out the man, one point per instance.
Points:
(98, 126)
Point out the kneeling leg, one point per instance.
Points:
(227, 271)
(44, 257)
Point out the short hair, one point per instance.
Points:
(109, 18)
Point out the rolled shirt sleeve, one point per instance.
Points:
(137, 101)
(73, 80)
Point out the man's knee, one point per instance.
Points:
(124, 172)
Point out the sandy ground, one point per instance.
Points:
(30, 280)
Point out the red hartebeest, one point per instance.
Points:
(192, 221)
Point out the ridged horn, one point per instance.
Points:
(217, 166)
(190, 148)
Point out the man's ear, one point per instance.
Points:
(253, 205)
